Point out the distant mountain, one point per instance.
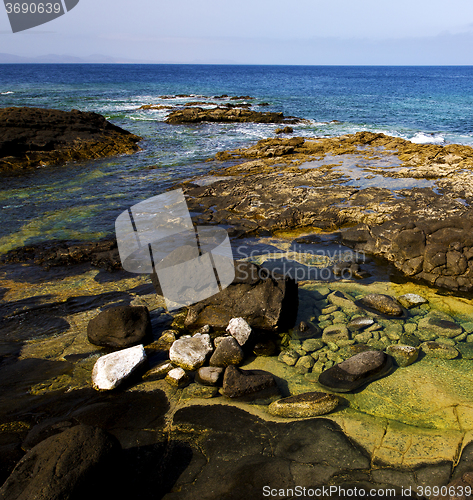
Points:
(65, 59)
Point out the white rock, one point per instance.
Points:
(190, 353)
(409, 300)
(239, 329)
(177, 377)
(112, 369)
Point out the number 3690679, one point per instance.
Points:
(33, 8)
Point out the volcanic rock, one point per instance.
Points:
(35, 136)
(356, 371)
(121, 326)
(237, 383)
(266, 301)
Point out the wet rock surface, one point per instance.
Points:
(310, 404)
(32, 136)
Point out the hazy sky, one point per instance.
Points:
(256, 32)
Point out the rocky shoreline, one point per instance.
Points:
(270, 382)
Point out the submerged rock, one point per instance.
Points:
(438, 350)
(121, 326)
(383, 304)
(33, 136)
(310, 404)
(404, 355)
(359, 323)
(191, 353)
(356, 371)
(237, 383)
(437, 325)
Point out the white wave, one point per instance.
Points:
(423, 138)
(6, 93)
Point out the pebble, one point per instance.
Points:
(335, 332)
(288, 357)
(311, 345)
(360, 323)
(177, 377)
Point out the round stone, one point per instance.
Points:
(310, 404)
(383, 304)
(437, 350)
(411, 300)
(404, 355)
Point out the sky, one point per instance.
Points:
(362, 32)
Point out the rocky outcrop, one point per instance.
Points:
(266, 301)
(438, 251)
(226, 115)
(32, 137)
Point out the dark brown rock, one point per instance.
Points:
(66, 465)
(237, 383)
(32, 136)
(226, 115)
(226, 353)
(356, 371)
(120, 327)
(267, 301)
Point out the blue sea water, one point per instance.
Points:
(81, 201)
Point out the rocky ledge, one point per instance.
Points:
(394, 191)
(32, 137)
(227, 115)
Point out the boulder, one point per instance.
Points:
(30, 137)
(113, 369)
(191, 353)
(226, 353)
(238, 383)
(120, 327)
(266, 301)
(356, 371)
(310, 404)
(239, 329)
(382, 303)
(69, 465)
(209, 375)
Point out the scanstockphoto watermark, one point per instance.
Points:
(336, 492)
(28, 14)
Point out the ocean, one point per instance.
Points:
(82, 200)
